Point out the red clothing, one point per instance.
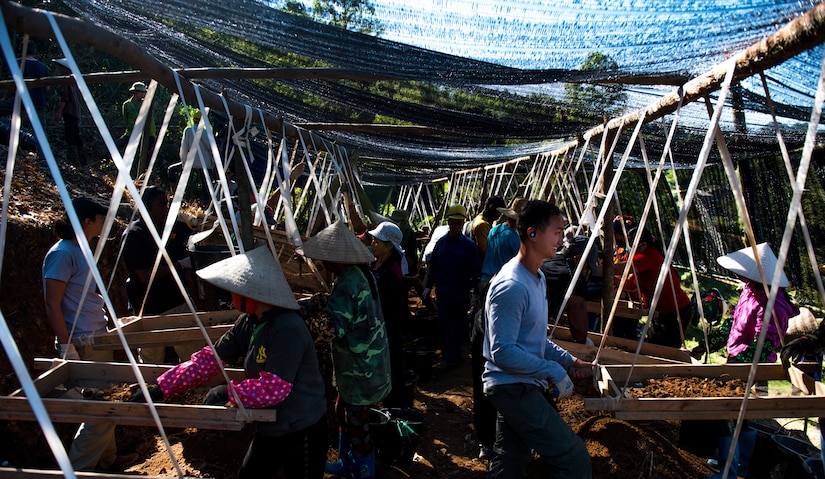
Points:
(647, 265)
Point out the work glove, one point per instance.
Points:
(425, 295)
(67, 351)
(154, 392)
(796, 350)
(563, 388)
(185, 263)
(217, 396)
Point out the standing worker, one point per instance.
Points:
(483, 223)
(454, 269)
(354, 324)
(162, 296)
(675, 309)
(68, 110)
(522, 363)
(130, 110)
(75, 325)
(203, 163)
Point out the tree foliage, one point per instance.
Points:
(295, 7)
(355, 15)
(597, 100)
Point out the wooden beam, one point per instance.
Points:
(609, 356)
(802, 33)
(204, 73)
(653, 350)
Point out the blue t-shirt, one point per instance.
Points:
(516, 347)
(65, 262)
(502, 245)
(36, 69)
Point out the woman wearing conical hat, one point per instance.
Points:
(354, 324)
(281, 365)
(750, 310)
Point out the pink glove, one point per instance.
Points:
(185, 376)
(267, 390)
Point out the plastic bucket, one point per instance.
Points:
(398, 441)
(765, 454)
(420, 360)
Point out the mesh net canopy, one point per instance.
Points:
(522, 52)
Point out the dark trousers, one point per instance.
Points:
(301, 454)
(71, 131)
(528, 422)
(484, 414)
(452, 323)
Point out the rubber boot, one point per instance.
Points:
(342, 466)
(363, 467)
(723, 446)
(747, 443)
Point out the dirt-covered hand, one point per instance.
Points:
(796, 350)
(217, 396)
(154, 392)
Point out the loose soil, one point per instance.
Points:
(688, 387)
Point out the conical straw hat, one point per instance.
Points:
(254, 274)
(743, 263)
(337, 244)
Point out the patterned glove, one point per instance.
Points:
(796, 350)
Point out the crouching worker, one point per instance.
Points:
(281, 367)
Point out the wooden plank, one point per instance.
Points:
(622, 373)
(179, 320)
(802, 381)
(708, 408)
(610, 356)
(625, 309)
(653, 350)
(49, 380)
(161, 337)
(118, 373)
(134, 414)
(17, 473)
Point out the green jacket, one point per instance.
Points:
(360, 351)
(130, 111)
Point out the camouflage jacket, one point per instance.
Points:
(360, 352)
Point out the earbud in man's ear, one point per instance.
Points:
(533, 234)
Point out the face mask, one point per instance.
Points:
(244, 304)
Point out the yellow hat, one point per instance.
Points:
(456, 212)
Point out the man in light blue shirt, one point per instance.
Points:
(522, 363)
